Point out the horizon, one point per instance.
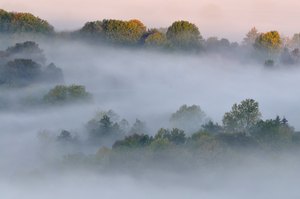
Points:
(214, 18)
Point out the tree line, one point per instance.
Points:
(267, 47)
(242, 130)
(242, 126)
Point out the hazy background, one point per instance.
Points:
(223, 18)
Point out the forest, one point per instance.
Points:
(268, 48)
(117, 105)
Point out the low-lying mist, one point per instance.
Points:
(148, 85)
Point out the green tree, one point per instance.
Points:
(175, 136)
(133, 142)
(123, 32)
(103, 131)
(184, 35)
(242, 117)
(212, 128)
(12, 22)
(275, 133)
(61, 94)
(93, 30)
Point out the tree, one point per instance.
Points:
(123, 32)
(212, 128)
(92, 29)
(184, 35)
(251, 36)
(66, 137)
(52, 74)
(154, 38)
(61, 94)
(27, 50)
(138, 127)
(188, 118)
(20, 72)
(204, 141)
(175, 136)
(242, 117)
(269, 42)
(214, 44)
(273, 133)
(12, 22)
(133, 142)
(295, 42)
(103, 131)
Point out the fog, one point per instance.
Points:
(149, 85)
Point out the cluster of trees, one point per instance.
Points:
(242, 128)
(106, 127)
(62, 94)
(115, 31)
(13, 22)
(269, 47)
(273, 48)
(180, 35)
(25, 64)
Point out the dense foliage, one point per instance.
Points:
(210, 143)
(115, 31)
(61, 94)
(184, 35)
(25, 64)
(270, 48)
(12, 22)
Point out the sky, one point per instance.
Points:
(223, 18)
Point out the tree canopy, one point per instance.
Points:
(183, 34)
(62, 94)
(242, 117)
(188, 118)
(13, 22)
(269, 42)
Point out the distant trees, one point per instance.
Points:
(138, 127)
(251, 37)
(184, 35)
(11, 22)
(24, 64)
(133, 142)
(275, 133)
(243, 130)
(174, 136)
(269, 42)
(188, 118)
(295, 41)
(20, 72)
(213, 44)
(180, 35)
(115, 31)
(154, 38)
(27, 50)
(92, 29)
(63, 94)
(242, 117)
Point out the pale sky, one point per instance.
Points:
(222, 18)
